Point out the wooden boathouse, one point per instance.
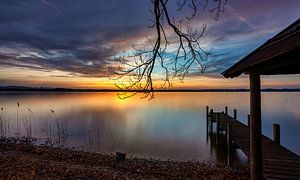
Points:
(278, 55)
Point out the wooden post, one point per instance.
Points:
(248, 120)
(218, 124)
(255, 127)
(217, 128)
(276, 133)
(229, 128)
(228, 133)
(226, 110)
(207, 111)
(211, 120)
(234, 114)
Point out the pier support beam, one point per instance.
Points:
(211, 120)
(229, 144)
(207, 114)
(248, 118)
(276, 133)
(255, 127)
(207, 111)
(235, 114)
(218, 123)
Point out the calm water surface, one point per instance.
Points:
(172, 126)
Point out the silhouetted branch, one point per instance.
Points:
(134, 72)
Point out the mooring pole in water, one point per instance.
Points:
(218, 128)
(234, 114)
(229, 129)
(228, 133)
(218, 123)
(248, 120)
(226, 110)
(211, 120)
(276, 133)
(207, 111)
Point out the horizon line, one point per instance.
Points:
(58, 89)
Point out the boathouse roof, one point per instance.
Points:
(278, 55)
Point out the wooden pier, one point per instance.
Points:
(278, 161)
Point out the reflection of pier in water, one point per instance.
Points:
(218, 143)
(228, 134)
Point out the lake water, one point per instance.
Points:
(172, 126)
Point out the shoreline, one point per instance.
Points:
(24, 160)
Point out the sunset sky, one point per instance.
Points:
(55, 43)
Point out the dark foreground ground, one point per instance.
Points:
(26, 161)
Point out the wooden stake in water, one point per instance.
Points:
(17, 133)
(248, 120)
(207, 111)
(234, 114)
(276, 133)
(229, 146)
(211, 120)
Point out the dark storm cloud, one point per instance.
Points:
(75, 36)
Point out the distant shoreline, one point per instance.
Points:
(46, 89)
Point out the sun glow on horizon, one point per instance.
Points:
(39, 78)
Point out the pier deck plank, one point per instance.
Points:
(278, 161)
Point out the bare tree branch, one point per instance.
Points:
(134, 73)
